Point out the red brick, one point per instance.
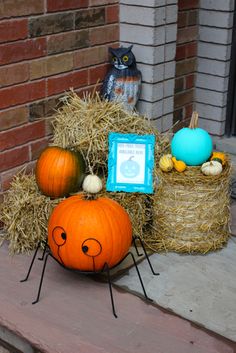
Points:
(7, 176)
(185, 67)
(101, 2)
(92, 17)
(188, 4)
(90, 56)
(188, 111)
(59, 43)
(180, 52)
(187, 34)
(179, 84)
(22, 50)
(11, 8)
(13, 117)
(1, 201)
(51, 65)
(104, 34)
(49, 125)
(22, 93)
(182, 19)
(60, 5)
(37, 147)
(183, 98)
(21, 135)
(192, 18)
(12, 158)
(13, 30)
(44, 108)
(12, 74)
(89, 90)
(191, 49)
(98, 73)
(65, 82)
(177, 117)
(112, 14)
(189, 81)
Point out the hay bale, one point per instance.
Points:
(81, 124)
(84, 124)
(138, 207)
(25, 212)
(191, 212)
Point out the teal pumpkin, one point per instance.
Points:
(192, 145)
(129, 168)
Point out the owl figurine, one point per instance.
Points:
(123, 81)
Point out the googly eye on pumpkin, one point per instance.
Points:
(59, 235)
(125, 58)
(91, 247)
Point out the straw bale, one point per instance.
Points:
(80, 124)
(191, 212)
(84, 124)
(138, 207)
(25, 212)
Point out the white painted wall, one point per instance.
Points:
(151, 27)
(214, 49)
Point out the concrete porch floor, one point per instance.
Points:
(74, 315)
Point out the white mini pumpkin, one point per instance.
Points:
(92, 184)
(211, 168)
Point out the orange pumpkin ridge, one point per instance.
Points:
(89, 223)
(59, 171)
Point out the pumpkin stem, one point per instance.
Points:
(194, 121)
(90, 197)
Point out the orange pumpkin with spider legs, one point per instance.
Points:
(85, 234)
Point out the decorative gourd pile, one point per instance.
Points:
(80, 144)
(191, 205)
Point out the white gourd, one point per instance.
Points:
(92, 184)
(211, 168)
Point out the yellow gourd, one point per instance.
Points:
(219, 156)
(180, 166)
(165, 163)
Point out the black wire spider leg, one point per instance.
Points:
(146, 255)
(107, 269)
(31, 265)
(44, 250)
(139, 276)
(135, 245)
(41, 279)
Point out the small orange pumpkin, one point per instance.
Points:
(84, 234)
(59, 171)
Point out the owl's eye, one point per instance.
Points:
(114, 59)
(125, 58)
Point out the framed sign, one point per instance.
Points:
(130, 163)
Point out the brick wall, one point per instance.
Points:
(186, 58)
(46, 47)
